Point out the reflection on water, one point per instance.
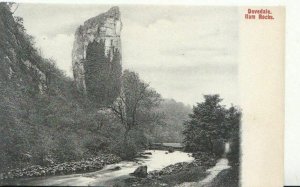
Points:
(106, 177)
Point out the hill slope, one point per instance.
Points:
(43, 117)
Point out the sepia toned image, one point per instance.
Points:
(123, 95)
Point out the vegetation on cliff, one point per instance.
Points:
(102, 74)
(46, 120)
(43, 117)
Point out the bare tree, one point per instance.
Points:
(136, 103)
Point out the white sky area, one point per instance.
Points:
(183, 52)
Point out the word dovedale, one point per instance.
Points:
(262, 14)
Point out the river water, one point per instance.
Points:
(108, 175)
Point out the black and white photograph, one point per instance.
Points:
(121, 95)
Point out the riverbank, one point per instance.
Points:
(164, 169)
(110, 174)
(83, 166)
(174, 174)
(226, 178)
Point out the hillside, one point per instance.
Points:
(43, 117)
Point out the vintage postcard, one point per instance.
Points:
(141, 95)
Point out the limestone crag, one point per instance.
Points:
(104, 28)
(21, 64)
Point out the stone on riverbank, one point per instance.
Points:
(177, 173)
(171, 150)
(85, 165)
(140, 172)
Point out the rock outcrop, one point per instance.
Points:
(101, 33)
(20, 62)
(140, 172)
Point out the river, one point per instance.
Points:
(110, 174)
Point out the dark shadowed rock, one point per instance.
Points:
(170, 149)
(140, 171)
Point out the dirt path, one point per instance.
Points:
(221, 165)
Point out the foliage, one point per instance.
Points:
(175, 113)
(126, 150)
(135, 107)
(102, 74)
(40, 123)
(120, 114)
(211, 125)
(55, 122)
(234, 116)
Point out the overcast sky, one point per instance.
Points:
(183, 52)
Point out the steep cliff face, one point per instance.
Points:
(30, 89)
(97, 42)
(20, 62)
(42, 115)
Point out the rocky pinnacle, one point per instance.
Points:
(105, 27)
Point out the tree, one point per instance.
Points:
(102, 74)
(203, 127)
(115, 74)
(211, 125)
(136, 103)
(96, 69)
(175, 113)
(233, 120)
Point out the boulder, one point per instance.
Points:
(140, 171)
(171, 150)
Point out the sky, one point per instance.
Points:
(184, 52)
